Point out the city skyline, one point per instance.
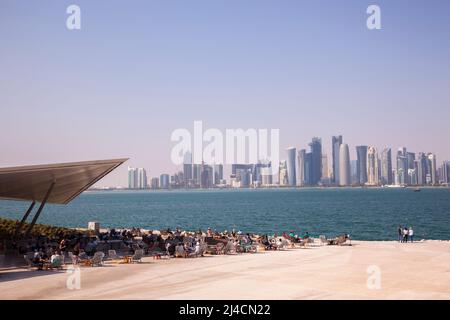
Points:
(262, 150)
(120, 86)
(371, 167)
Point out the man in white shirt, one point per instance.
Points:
(411, 233)
(55, 260)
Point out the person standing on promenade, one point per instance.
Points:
(63, 248)
(405, 235)
(411, 233)
(400, 234)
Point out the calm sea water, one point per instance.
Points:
(366, 214)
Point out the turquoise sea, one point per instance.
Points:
(366, 214)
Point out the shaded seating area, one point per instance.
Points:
(35, 260)
(134, 245)
(46, 184)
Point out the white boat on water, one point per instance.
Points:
(395, 186)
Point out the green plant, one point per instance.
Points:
(8, 228)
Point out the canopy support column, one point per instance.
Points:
(25, 217)
(36, 216)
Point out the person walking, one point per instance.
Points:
(411, 234)
(400, 234)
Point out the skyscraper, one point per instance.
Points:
(301, 175)
(422, 169)
(316, 158)
(344, 165)
(177, 180)
(386, 167)
(445, 172)
(402, 166)
(218, 173)
(325, 166)
(238, 169)
(187, 169)
(336, 142)
(410, 162)
(266, 176)
(361, 164)
(411, 157)
(412, 176)
(196, 174)
(155, 183)
(164, 181)
(432, 169)
(282, 175)
(353, 172)
(244, 176)
(395, 176)
(257, 171)
(132, 178)
(142, 178)
(308, 169)
(290, 166)
(372, 167)
(137, 178)
(206, 176)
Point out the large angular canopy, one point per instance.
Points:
(65, 180)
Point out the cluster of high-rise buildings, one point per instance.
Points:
(192, 176)
(308, 168)
(370, 168)
(137, 178)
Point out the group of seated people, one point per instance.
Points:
(186, 249)
(228, 241)
(171, 242)
(42, 260)
(125, 234)
(174, 243)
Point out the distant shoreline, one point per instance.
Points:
(273, 188)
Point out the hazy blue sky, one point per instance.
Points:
(137, 70)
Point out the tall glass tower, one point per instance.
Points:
(187, 169)
(422, 169)
(290, 164)
(336, 142)
(402, 166)
(372, 167)
(344, 165)
(142, 178)
(445, 172)
(132, 178)
(316, 154)
(386, 167)
(361, 164)
(301, 174)
(432, 169)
